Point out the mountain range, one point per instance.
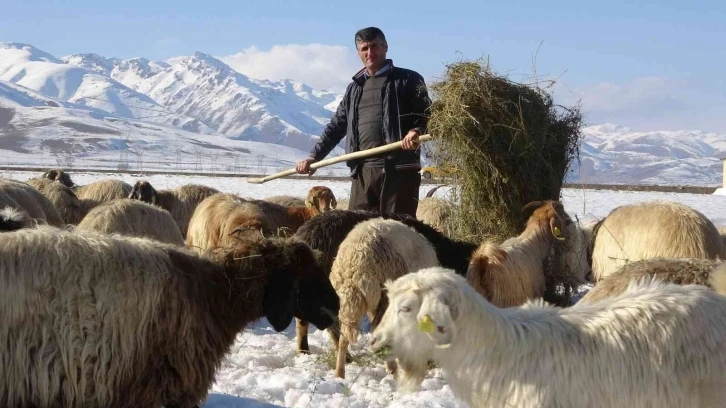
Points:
(99, 108)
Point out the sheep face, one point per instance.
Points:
(298, 287)
(321, 198)
(419, 319)
(549, 212)
(144, 191)
(59, 176)
(316, 299)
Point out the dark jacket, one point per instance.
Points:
(406, 106)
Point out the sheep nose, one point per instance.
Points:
(374, 340)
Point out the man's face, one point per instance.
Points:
(373, 54)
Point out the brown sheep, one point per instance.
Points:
(60, 176)
(219, 218)
(510, 273)
(180, 201)
(30, 200)
(62, 197)
(320, 198)
(133, 218)
(682, 271)
(110, 321)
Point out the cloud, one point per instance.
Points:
(647, 93)
(320, 66)
(647, 103)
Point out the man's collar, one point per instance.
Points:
(363, 74)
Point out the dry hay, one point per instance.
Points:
(510, 143)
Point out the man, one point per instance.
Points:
(383, 104)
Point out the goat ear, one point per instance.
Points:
(334, 202)
(436, 319)
(278, 303)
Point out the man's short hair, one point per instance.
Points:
(369, 34)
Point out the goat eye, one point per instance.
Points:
(404, 309)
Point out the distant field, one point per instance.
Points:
(614, 187)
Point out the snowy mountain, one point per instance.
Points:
(40, 131)
(203, 87)
(32, 68)
(201, 94)
(612, 154)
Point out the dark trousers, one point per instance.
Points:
(385, 191)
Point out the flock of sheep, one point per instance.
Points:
(124, 296)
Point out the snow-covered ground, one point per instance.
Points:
(263, 367)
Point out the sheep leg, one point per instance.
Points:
(301, 332)
(391, 366)
(334, 333)
(342, 352)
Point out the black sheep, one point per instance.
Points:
(325, 233)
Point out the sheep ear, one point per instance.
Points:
(557, 227)
(278, 303)
(134, 191)
(436, 319)
(334, 203)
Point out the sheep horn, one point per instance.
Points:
(433, 190)
(531, 206)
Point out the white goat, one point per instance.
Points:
(656, 345)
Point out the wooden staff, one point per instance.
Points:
(350, 156)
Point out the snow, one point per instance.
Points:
(32, 68)
(203, 87)
(42, 131)
(263, 368)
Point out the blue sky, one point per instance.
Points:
(645, 65)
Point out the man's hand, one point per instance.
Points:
(410, 142)
(303, 166)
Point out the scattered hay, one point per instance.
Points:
(510, 143)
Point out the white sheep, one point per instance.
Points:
(132, 218)
(374, 251)
(286, 201)
(656, 345)
(653, 229)
(101, 191)
(510, 273)
(680, 271)
(436, 212)
(90, 320)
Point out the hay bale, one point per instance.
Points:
(510, 142)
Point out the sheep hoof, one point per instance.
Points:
(391, 368)
(303, 347)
